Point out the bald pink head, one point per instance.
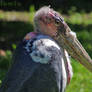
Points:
(47, 21)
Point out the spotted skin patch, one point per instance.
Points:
(30, 35)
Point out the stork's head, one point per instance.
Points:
(49, 22)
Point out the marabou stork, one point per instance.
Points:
(41, 62)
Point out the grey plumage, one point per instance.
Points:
(27, 75)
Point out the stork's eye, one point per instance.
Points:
(57, 22)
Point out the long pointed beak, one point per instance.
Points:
(68, 40)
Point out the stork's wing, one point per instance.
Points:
(36, 68)
(22, 68)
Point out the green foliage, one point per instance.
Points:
(2, 74)
(82, 79)
(5, 61)
(79, 18)
(14, 46)
(86, 40)
(32, 12)
(1, 15)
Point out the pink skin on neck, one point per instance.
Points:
(33, 34)
(30, 35)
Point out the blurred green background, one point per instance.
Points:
(16, 20)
